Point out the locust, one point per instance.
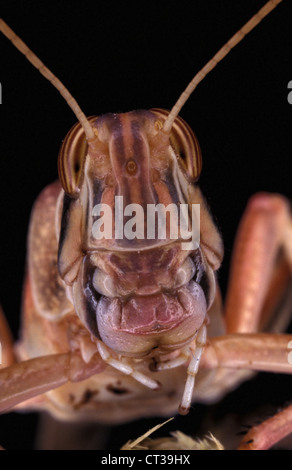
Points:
(134, 316)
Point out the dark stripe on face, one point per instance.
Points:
(97, 191)
(172, 189)
(128, 146)
(142, 158)
(67, 200)
(91, 298)
(118, 157)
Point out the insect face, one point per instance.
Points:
(133, 289)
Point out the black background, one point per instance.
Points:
(116, 56)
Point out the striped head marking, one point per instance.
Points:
(134, 159)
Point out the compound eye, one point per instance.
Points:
(71, 159)
(185, 144)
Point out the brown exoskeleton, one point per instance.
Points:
(132, 293)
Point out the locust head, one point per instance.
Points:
(130, 239)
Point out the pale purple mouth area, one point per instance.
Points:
(148, 314)
(183, 311)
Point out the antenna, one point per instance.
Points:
(236, 38)
(38, 64)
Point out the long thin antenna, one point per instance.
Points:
(36, 62)
(249, 26)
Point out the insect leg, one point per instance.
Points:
(249, 351)
(268, 433)
(28, 379)
(262, 234)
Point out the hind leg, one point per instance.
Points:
(263, 245)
